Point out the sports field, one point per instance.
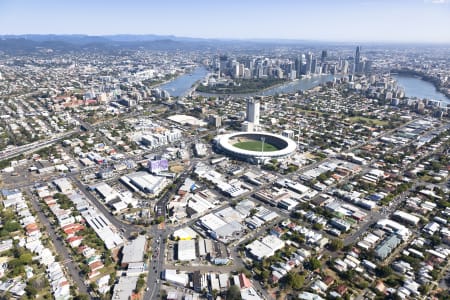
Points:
(255, 146)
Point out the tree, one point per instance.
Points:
(82, 297)
(317, 226)
(31, 291)
(295, 280)
(11, 226)
(336, 245)
(314, 263)
(383, 271)
(265, 274)
(25, 258)
(234, 293)
(253, 211)
(140, 283)
(214, 293)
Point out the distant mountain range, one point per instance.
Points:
(31, 42)
(35, 42)
(28, 43)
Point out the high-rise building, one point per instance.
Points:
(253, 106)
(368, 67)
(323, 57)
(356, 65)
(345, 67)
(309, 61)
(313, 66)
(298, 65)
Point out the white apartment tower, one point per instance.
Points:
(253, 111)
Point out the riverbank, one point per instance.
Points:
(159, 83)
(245, 86)
(436, 83)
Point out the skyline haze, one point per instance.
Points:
(424, 21)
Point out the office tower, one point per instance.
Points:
(323, 57)
(356, 67)
(241, 70)
(236, 71)
(313, 66)
(309, 58)
(368, 67)
(345, 67)
(253, 110)
(298, 65)
(259, 71)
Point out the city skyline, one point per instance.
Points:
(425, 21)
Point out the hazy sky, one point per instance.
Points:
(331, 20)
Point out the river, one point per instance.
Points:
(417, 87)
(413, 86)
(180, 86)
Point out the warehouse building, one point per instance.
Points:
(145, 182)
(186, 250)
(134, 251)
(266, 247)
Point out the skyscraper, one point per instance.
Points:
(345, 67)
(253, 110)
(309, 58)
(314, 66)
(357, 60)
(323, 56)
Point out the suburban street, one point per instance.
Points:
(60, 248)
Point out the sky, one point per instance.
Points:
(426, 21)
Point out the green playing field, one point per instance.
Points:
(255, 146)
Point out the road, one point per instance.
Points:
(156, 263)
(159, 236)
(61, 249)
(376, 216)
(7, 154)
(127, 229)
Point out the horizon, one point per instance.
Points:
(160, 37)
(351, 21)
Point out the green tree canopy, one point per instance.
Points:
(336, 245)
(314, 263)
(234, 293)
(295, 280)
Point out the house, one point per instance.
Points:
(329, 281)
(74, 241)
(341, 289)
(6, 245)
(244, 281)
(95, 266)
(277, 231)
(380, 287)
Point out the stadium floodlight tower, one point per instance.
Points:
(262, 144)
(262, 150)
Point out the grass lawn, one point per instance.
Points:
(375, 122)
(255, 146)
